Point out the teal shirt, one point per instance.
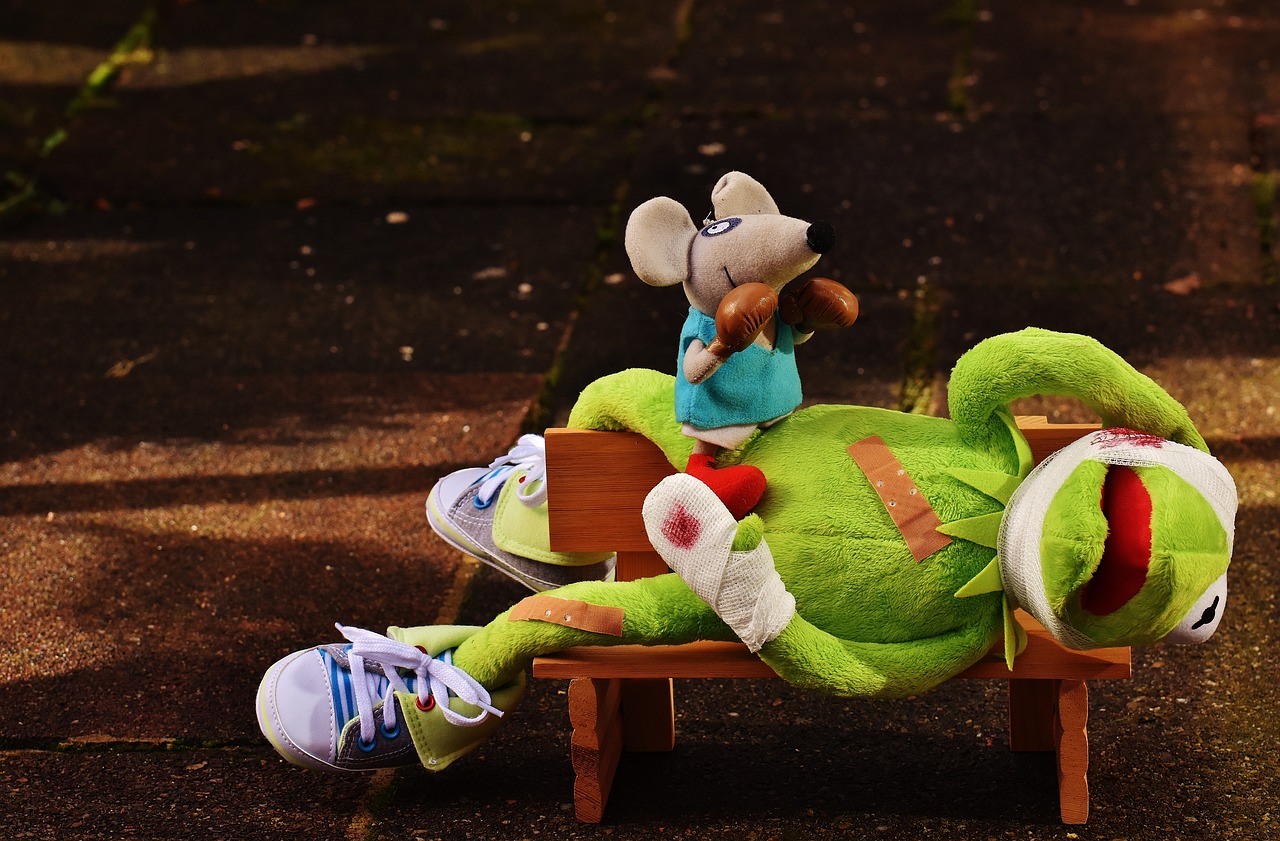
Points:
(753, 386)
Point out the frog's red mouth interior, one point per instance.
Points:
(1127, 555)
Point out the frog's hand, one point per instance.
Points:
(1004, 368)
(637, 400)
(809, 657)
(727, 564)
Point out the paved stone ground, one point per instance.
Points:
(289, 262)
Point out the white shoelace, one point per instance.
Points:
(529, 454)
(438, 678)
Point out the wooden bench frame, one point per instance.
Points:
(620, 697)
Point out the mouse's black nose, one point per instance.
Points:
(821, 237)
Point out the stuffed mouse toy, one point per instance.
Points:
(889, 556)
(736, 369)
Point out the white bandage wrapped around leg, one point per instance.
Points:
(693, 532)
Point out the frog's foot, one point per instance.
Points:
(694, 533)
(738, 486)
(378, 702)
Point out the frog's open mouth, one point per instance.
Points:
(1126, 556)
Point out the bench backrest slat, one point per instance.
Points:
(597, 482)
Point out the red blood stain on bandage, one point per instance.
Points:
(1119, 436)
(681, 528)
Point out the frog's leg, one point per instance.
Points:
(736, 576)
(810, 657)
(635, 400)
(341, 706)
(651, 611)
(1004, 368)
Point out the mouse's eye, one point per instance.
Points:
(721, 226)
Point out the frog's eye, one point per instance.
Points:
(1202, 620)
(721, 226)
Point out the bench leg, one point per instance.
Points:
(648, 715)
(1053, 715)
(1073, 751)
(1031, 710)
(596, 744)
(609, 716)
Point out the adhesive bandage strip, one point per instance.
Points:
(570, 613)
(906, 504)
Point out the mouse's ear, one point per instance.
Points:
(738, 194)
(659, 234)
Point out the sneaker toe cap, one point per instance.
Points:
(449, 489)
(295, 710)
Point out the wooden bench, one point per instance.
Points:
(620, 697)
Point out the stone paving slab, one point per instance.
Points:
(418, 102)
(1169, 197)
(296, 158)
(239, 402)
(67, 22)
(403, 60)
(141, 573)
(230, 793)
(107, 314)
(1080, 57)
(780, 60)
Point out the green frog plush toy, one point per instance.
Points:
(887, 556)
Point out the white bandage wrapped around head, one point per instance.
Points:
(1022, 528)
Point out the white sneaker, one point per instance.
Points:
(462, 506)
(378, 702)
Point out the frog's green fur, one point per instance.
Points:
(872, 621)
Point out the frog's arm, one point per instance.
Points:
(1033, 361)
(729, 565)
(637, 400)
(812, 658)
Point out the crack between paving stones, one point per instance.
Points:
(543, 407)
(100, 744)
(962, 16)
(920, 376)
(919, 354)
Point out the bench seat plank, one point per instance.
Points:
(1043, 659)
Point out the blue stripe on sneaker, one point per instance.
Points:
(348, 693)
(340, 687)
(343, 689)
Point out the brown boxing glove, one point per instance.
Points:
(740, 317)
(817, 303)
